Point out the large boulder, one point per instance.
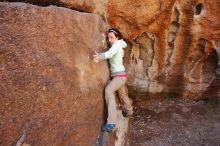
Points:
(173, 46)
(51, 92)
(88, 6)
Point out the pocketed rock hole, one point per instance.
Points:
(217, 44)
(210, 67)
(172, 32)
(197, 54)
(146, 47)
(199, 8)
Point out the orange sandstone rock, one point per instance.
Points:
(174, 45)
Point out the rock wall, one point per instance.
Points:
(174, 46)
(87, 6)
(51, 92)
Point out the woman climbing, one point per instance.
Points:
(119, 76)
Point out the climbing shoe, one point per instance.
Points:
(126, 113)
(108, 127)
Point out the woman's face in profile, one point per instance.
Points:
(112, 38)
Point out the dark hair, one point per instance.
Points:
(116, 32)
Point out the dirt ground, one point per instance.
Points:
(174, 122)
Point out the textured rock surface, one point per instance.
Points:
(174, 45)
(88, 6)
(50, 91)
(91, 6)
(84, 5)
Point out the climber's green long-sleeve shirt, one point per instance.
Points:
(115, 55)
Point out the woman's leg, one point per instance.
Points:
(123, 94)
(113, 86)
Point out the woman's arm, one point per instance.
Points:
(111, 52)
(106, 55)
